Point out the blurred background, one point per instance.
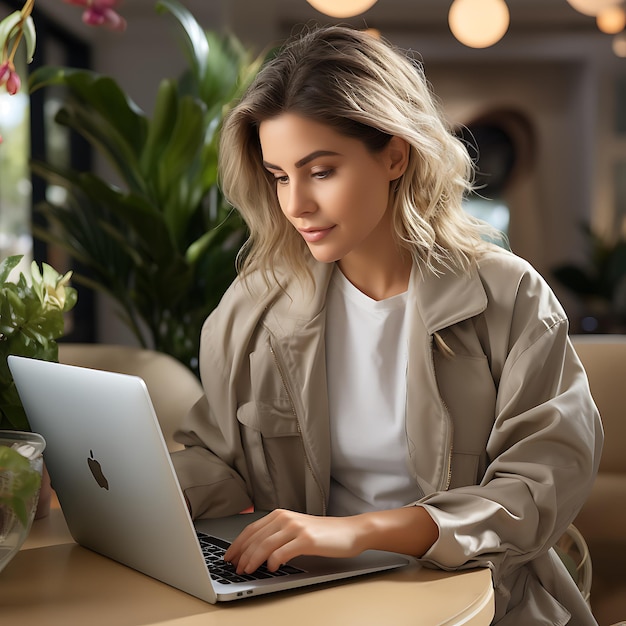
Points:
(544, 105)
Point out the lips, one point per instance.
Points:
(313, 235)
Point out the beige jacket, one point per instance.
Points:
(504, 439)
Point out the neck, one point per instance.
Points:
(380, 278)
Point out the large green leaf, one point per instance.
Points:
(196, 44)
(106, 137)
(8, 265)
(160, 128)
(146, 222)
(80, 219)
(103, 114)
(101, 95)
(177, 161)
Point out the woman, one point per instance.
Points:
(379, 376)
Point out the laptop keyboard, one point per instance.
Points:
(214, 549)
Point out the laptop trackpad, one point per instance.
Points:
(227, 527)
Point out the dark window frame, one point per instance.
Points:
(76, 53)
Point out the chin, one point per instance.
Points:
(322, 257)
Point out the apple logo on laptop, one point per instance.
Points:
(96, 470)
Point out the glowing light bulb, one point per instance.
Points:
(619, 45)
(592, 7)
(479, 23)
(342, 8)
(611, 20)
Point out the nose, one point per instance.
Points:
(296, 201)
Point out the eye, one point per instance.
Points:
(281, 180)
(321, 175)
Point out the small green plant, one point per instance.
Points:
(601, 282)
(31, 320)
(19, 482)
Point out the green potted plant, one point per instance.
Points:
(31, 320)
(161, 240)
(600, 283)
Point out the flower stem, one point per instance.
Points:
(26, 10)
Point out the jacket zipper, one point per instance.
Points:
(450, 441)
(295, 414)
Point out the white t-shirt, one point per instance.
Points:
(366, 361)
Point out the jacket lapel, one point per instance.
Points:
(442, 300)
(297, 324)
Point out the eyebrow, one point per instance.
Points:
(302, 162)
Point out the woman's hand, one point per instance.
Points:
(283, 535)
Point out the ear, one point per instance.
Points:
(398, 157)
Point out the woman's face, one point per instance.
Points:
(332, 189)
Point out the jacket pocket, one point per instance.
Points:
(467, 389)
(274, 454)
(464, 470)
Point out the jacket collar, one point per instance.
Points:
(447, 298)
(443, 298)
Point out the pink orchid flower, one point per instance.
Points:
(101, 13)
(10, 78)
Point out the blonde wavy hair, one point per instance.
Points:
(363, 88)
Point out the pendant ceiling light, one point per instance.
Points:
(619, 45)
(479, 23)
(592, 7)
(342, 8)
(611, 20)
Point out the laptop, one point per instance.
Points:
(118, 490)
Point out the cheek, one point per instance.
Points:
(372, 195)
(282, 197)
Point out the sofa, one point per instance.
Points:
(602, 520)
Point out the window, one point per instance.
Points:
(29, 131)
(15, 185)
(499, 143)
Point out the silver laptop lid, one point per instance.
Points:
(99, 428)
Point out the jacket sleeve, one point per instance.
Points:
(543, 450)
(212, 487)
(212, 469)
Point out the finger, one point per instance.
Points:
(284, 554)
(253, 533)
(260, 551)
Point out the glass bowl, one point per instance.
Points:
(21, 464)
